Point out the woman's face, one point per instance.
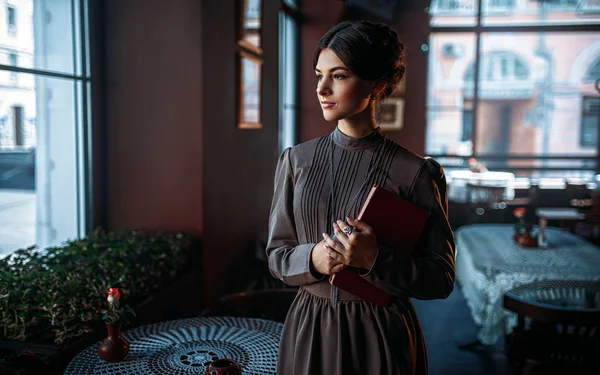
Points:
(341, 93)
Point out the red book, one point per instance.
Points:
(398, 224)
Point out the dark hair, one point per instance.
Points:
(370, 50)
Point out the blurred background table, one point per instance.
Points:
(186, 346)
(489, 263)
(465, 186)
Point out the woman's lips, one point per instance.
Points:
(326, 105)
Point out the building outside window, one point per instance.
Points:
(43, 124)
(515, 84)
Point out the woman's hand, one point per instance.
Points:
(323, 262)
(359, 249)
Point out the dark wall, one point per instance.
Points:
(153, 115)
(239, 165)
(175, 158)
(412, 27)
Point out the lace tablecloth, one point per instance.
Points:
(489, 263)
(185, 346)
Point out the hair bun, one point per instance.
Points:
(370, 50)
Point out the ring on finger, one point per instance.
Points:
(347, 231)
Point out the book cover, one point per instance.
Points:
(398, 224)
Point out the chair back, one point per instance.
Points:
(558, 325)
(272, 304)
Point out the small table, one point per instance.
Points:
(186, 346)
(489, 263)
(561, 214)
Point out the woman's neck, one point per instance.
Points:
(358, 125)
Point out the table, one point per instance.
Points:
(489, 263)
(460, 181)
(559, 213)
(185, 346)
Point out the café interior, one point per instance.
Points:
(182, 109)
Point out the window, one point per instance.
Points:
(564, 3)
(593, 72)
(509, 89)
(500, 4)
(250, 59)
(590, 120)
(288, 77)
(13, 61)
(17, 116)
(457, 7)
(11, 19)
(500, 66)
(44, 126)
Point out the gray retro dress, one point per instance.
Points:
(346, 335)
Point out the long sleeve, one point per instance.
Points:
(429, 271)
(289, 261)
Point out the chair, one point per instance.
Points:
(272, 304)
(558, 327)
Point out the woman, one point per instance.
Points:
(320, 183)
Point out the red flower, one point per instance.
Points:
(519, 212)
(113, 295)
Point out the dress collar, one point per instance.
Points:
(370, 140)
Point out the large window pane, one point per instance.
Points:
(42, 36)
(528, 12)
(288, 67)
(449, 116)
(453, 12)
(39, 168)
(531, 94)
(42, 147)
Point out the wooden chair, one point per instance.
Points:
(272, 304)
(558, 329)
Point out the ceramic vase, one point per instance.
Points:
(114, 347)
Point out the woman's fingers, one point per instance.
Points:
(334, 244)
(340, 234)
(334, 254)
(360, 225)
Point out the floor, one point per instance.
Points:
(448, 324)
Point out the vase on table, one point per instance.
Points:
(525, 239)
(114, 347)
(223, 366)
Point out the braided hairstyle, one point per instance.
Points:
(370, 50)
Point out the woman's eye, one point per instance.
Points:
(339, 76)
(319, 77)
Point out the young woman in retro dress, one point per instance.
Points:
(319, 188)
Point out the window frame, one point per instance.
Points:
(85, 26)
(288, 137)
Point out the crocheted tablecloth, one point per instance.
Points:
(185, 346)
(489, 263)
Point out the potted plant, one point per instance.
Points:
(51, 298)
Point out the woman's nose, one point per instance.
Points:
(323, 87)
